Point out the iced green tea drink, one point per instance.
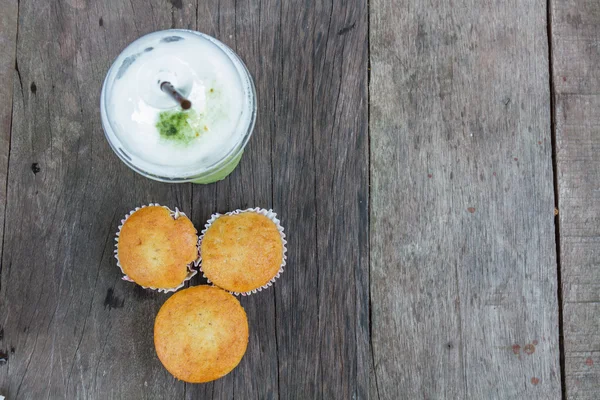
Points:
(179, 106)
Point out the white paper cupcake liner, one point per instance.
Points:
(175, 214)
(267, 213)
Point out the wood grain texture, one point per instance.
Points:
(310, 339)
(463, 259)
(340, 144)
(250, 30)
(576, 56)
(72, 328)
(320, 165)
(8, 45)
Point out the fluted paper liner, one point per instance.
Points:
(175, 214)
(267, 213)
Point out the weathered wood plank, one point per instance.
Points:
(575, 38)
(308, 160)
(8, 45)
(74, 329)
(463, 262)
(320, 187)
(341, 163)
(294, 181)
(250, 29)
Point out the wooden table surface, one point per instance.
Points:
(436, 166)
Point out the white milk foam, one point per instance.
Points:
(203, 73)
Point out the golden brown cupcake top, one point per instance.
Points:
(201, 334)
(241, 252)
(154, 249)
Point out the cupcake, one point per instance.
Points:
(243, 251)
(201, 334)
(156, 248)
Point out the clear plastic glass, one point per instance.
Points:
(202, 174)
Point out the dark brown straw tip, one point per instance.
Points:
(169, 89)
(186, 104)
